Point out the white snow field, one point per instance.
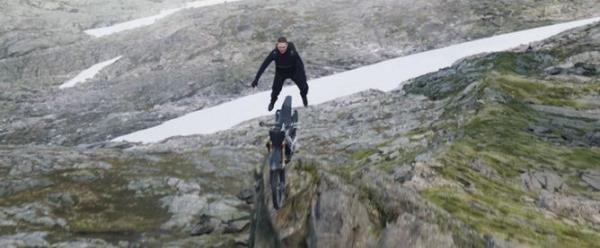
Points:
(99, 32)
(385, 76)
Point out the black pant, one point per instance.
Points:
(298, 78)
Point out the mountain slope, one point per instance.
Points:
(202, 57)
(523, 159)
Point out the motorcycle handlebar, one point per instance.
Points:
(264, 124)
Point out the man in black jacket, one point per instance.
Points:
(288, 64)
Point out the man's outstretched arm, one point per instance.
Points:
(262, 68)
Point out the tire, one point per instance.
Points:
(277, 188)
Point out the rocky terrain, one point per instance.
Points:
(499, 150)
(502, 152)
(200, 57)
(31, 26)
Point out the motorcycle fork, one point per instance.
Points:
(283, 156)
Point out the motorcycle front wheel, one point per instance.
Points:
(277, 188)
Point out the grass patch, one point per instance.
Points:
(510, 220)
(498, 136)
(543, 92)
(362, 154)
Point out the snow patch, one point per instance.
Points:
(385, 76)
(99, 32)
(88, 73)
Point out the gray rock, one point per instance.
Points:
(403, 173)
(183, 186)
(592, 178)
(35, 239)
(374, 157)
(543, 180)
(148, 186)
(205, 225)
(34, 213)
(242, 241)
(570, 113)
(12, 186)
(586, 57)
(118, 145)
(21, 169)
(410, 231)
(540, 130)
(480, 166)
(5, 221)
(339, 218)
(236, 226)
(423, 157)
(83, 176)
(226, 209)
(584, 69)
(572, 206)
(63, 200)
(593, 138)
(554, 70)
(495, 242)
(84, 243)
(183, 208)
(93, 165)
(495, 96)
(246, 195)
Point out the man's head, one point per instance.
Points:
(282, 45)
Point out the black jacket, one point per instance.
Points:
(288, 63)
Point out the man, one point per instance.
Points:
(288, 64)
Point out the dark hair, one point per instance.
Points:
(282, 40)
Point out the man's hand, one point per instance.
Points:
(254, 83)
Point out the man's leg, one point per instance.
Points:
(300, 81)
(276, 89)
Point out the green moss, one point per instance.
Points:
(505, 62)
(362, 154)
(498, 136)
(183, 166)
(509, 219)
(308, 167)
(106, 207)
(543, 92)
(529, 64)
(103, 224)
(345, 171)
